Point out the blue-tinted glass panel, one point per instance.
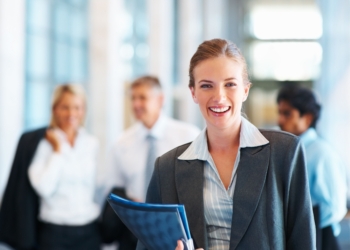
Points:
(135, 37)
(62, 61)
(78, 3)
(56, 52)
(78, 27)
(38, 56)
(38, 108)
(78, 60)
(38, 14)
(62, 20)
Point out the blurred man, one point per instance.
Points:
(298, 113)
(135, 151)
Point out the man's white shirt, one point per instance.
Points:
(127, 164)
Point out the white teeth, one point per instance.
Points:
(220, 110)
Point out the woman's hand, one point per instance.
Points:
(52, 138)
(180, 246)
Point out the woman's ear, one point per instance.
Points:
(246, 91)
(193, 95)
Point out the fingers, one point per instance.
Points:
(180, 245)
(51, 137)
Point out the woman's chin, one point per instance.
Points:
(69, 127)
(222, 124)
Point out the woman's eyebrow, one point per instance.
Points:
(204, 80)
(230, 78)
(208, 81)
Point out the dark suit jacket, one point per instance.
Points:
(20, 204)
(112, 229)
(271, 203)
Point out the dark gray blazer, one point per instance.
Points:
(271, 203)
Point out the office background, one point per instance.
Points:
(104, 44)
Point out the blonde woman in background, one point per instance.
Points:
(62, 173)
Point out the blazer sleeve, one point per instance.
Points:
(300, 227)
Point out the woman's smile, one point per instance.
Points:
(219, 111)
(220, 91)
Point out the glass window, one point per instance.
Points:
(283, 42)
(135, 50)
(286, 22)
(56, 52)
(286, 60)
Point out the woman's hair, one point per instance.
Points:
(74, 89)
(216, 48)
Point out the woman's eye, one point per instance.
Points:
(231, 84)
(205, 86)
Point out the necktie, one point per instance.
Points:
(151, 158)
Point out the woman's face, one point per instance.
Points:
(219, 91)
(69, 112)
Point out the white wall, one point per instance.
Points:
(334, 83)
(160, 41)
(190, 36)
(11, 82)
(106, 85)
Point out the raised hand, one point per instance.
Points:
(52, 138)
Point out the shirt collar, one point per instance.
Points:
(158, 129)
(62, 135)
(308, 136)
(250, 136)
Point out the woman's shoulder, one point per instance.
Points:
(279, 137)
(283, 145)
(174, 153)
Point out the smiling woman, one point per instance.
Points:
(68, 111)
(53, 176)
(219, 91)
(243, 188)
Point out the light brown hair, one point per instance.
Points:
(75, 89)
(216, 48)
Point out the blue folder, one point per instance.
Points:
(157, 226)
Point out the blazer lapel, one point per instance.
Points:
(251, 175)
(189, 184)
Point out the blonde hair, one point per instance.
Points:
(216, 48)
(74, 89)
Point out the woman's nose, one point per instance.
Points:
(220, 94)
(71, 111)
